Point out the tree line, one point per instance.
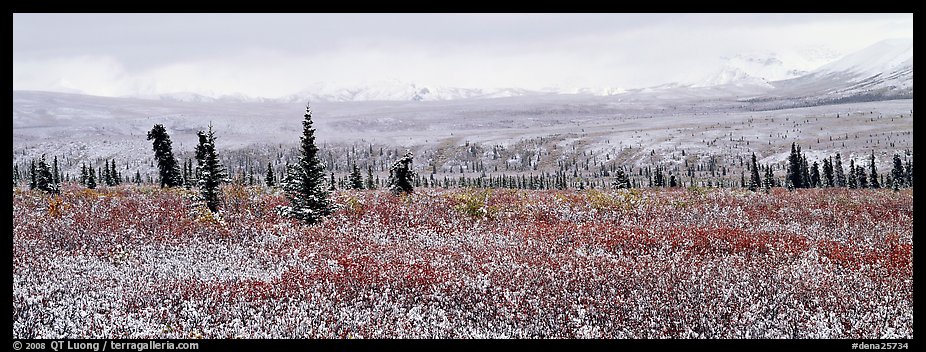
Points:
(307, 184)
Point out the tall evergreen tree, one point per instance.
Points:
(873, 179)
(117, 178)
(55, 176)
(769, 180)
(794, 167)
(861, 177)
(897, 173)
(83, 174)
(332, 184)
(828, 179)
(815, 175)
(754, 181)
(840, 174)
(44, 180)
(211, 172)
(107, 179)
(192, 181)
(15, 175)
(137, 177)
(369, 181)
(304, 181)
(269, 179)
(184, 174)
(908, 172)
(852, 180)
(805, 172)
(621, 180)
(32, 175)
(356, 180)
(659, 179)
(401, 175)
(91, 178)
(167, 164)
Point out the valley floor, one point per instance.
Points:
(140, 262)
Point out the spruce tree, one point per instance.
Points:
(356, 180)
(91, 178)
(908, 173)
(184, 175)
(805, 172)
(754, 181)
(169, 170)
(211, 172)
(83, 174)
(137, 177)
(794, 167)
(852, 181)
(117, 178)
(873, 178)
(304, 181)
(621, 180)
(401, 175)
(840, 174)
(369, 181)
(828, 179)
(269, 178)
(658, 178)
(250, 175)
(56, 178)
(769, 180)
(44, 180)
(32, 176)
(861, 177)
(897, 173)
(107, 179)
(815, 175)
(192, 180)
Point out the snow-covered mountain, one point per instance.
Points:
(749, 69)
(395, 90)
(884, 56)
(882, 70)
(761, 68)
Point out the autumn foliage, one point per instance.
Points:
(136, 263)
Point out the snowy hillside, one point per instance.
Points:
(885, 56)
(881, 71)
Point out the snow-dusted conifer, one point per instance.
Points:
(43, 178)
(840, 180)
(169, 170)
(621, 180)
(370, 183)
(269, 179)
(304, 180)
(754, 181)
(401, 175)
(356, 180)
(210, 170)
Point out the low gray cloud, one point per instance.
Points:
(278, 54)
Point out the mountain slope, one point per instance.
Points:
(881, 71)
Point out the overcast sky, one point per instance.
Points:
(272, 55)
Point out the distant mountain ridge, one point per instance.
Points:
(883, 70)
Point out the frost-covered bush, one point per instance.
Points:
(132, 262)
